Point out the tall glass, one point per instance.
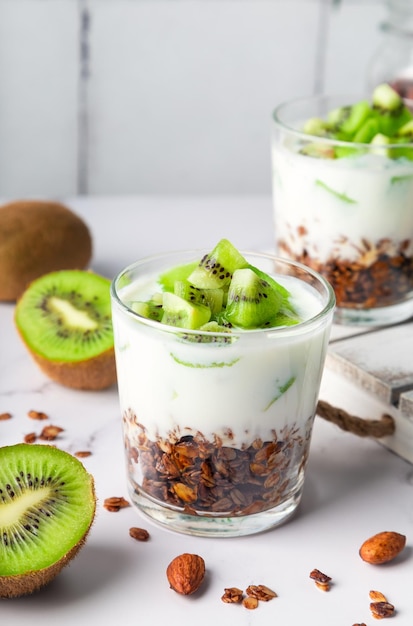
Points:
(217, 426)
(349, 218)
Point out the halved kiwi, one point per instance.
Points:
(47, 506)
(64, 319)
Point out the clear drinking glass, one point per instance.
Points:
(217, 426)
(348, 218)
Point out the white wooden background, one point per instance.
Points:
(164, 96)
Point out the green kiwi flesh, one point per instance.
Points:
(362, 123)
(64, 318)
(184, 314)
(213, 298)
(247, 298)
(47, 506)
(215, 269)
(252, 302)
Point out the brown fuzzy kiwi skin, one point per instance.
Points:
(37, 237)
(92, 374)
(29, 582)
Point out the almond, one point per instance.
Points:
(383, 547)
(185, 573)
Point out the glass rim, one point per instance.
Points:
(327, 308)
(327, 140)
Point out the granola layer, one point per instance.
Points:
(377, 278)
(204, 477)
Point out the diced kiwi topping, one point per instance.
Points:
(220, 292)
(385, 122)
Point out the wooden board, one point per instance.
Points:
(379, 364)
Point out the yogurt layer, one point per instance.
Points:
(238, 390)
(334, 207)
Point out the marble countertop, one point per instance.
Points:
(354, 487)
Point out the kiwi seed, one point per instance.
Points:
(47, 507)
(64, 320)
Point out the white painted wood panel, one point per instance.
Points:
(380, 361)
(353, 37)
(181, 93)
(38, 97)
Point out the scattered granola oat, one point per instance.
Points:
(30, 438)
(115, 503)
(381, 609)
(261, 592)
(321, 580)
(380, 276)
(5, 416)
(250, 602)
(201, 475)
(50, 432)
(81, 454)
(37, 415)
(232, 595)
(140, 534)
(377, 596)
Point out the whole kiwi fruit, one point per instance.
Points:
(37, 237)
(47, 507)
(64, 319)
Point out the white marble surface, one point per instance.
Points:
(354, 487)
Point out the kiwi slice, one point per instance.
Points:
(184, 314)
(47, 506)
(367, 131)
(252, 302)
(215, 269)
(393, 113)
(349, 119)
(168, 279)
(316, 126)
(212, 298)
(64, 319)
(151, 309)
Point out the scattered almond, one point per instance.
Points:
(5, 416)
(185, 573)
(383, 547)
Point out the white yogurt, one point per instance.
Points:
(261, 382)
(331, 207)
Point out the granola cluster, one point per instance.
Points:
(207, 477)
(382, 274)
